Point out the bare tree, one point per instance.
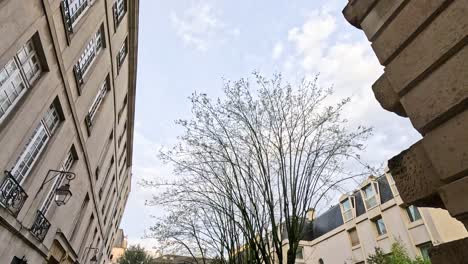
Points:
(255, 161)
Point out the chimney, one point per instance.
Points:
(310, 214)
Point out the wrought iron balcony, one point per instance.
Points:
(40, 226)
(12, 195)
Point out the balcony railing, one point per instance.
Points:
(12, 195)
(40, 226)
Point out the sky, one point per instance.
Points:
(191, 45)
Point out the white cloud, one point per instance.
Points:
(277, 50)
(200, 25)
(322, 46)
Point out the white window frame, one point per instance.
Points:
(370, 198)
(36, 144)
(90, 53)
(97, 102)
(17, 82)
(122, 54)
(348, 214)
(74, 6)
(120, 10)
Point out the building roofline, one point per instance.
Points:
(133, 27)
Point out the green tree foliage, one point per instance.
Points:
(398, 255)
(136, 255)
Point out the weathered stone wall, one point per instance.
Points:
(423, 46)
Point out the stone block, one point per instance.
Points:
(388, 99)
(439, 96)
(401, 28)
(454, 252)
(356, 10)
(447, 148)
(379, 16)
(455, 197)
(430, 47)
(416, 179)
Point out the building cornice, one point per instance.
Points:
(133, 27)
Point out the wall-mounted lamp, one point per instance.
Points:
(62, 193)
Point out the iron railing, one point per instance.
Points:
(40, 226)
(12, 195)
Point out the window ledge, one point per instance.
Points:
(415, 224)
(356, 247)
(382, 237)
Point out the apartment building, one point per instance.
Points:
(67, 93)
(374, 216)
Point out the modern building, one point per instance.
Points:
(374, 216)
(423, 46)
(119, 247)
(67, 100)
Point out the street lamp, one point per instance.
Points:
(94, 258)
(62, 193)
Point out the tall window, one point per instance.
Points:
(122, 108)
(353, 236)
(370, 196)
(18, 74)
(413, 213)
(347, 209)
(119, 8)
(66, 166)
(380, 226)
(122, 54)
(97, 103)
(36, 143)
(72, 11)
(93, 47)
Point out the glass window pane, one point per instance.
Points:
(413, 213)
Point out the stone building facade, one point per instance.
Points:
(374, 216)
(119, 247)
(423, 47)
(67, 100)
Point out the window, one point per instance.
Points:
(121, 136)
(36, 143)
(18, 74)
(119, 8)
(88, 56)
(122, 109)
(380, 226)
(392, 184)
(370, 196)
(347, 209)
(353, 236)
(424, 248)
(300, 252)
(122, 54)
(124, 151)
(73, 11)
(413, 213)
(66, 166)
(97, 103)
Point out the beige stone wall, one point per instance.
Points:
(70, 226)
